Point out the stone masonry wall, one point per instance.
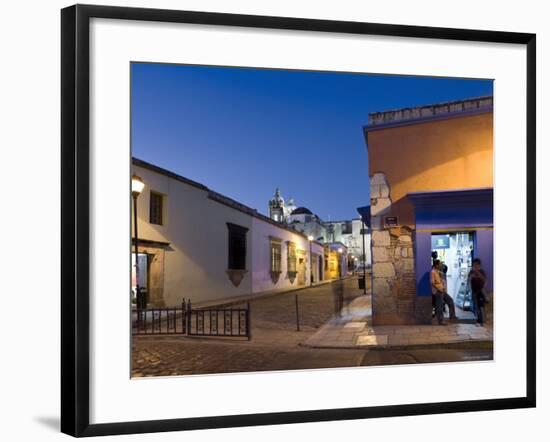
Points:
(394, 282)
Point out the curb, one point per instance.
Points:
(460, 345)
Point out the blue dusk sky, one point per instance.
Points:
(242, 131)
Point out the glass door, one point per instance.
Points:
(456, 252)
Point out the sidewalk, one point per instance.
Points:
(354, 330)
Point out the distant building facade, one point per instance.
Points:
(431, 182)
(336, 260)
(347, 233)
(197, 244)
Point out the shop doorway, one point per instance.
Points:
(456, 252)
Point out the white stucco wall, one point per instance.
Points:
(354, 240)
(196, 260)
(195, 226)
(356, 232)
(261, 259)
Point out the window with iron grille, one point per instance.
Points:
(156, 201)
(236, 247)
(275, 248)
(291, 264)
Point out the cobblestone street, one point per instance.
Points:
(274, 344)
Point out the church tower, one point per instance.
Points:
(277, 207)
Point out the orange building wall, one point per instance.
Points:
(454, 153)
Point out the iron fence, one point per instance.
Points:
(223, 322)
(219, 322)
(159, 321)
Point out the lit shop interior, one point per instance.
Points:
(456, 252)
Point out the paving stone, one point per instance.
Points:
(398, 340)
(359, 326)
(384, 329)
(458, 338)
(276, 345)
(438, 332)
(373, 340)
(346, 337)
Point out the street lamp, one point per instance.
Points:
(137, 188)
(363, 231)
(310, 238)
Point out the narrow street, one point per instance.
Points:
(275, 343)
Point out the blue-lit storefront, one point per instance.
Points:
(458, 226)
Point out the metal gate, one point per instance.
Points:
(159, 321)
(224, 322)
(219, 322)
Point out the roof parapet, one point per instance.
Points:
(428, 112)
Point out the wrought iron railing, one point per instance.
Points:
(224, 322)
(219, 322)
(159, 321)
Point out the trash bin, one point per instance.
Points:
(361, 283)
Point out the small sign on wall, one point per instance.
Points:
(440, 242)
(391, 221)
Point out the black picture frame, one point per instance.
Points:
(75, 211)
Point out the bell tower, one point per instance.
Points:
(276, 207)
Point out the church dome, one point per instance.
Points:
(301, 211)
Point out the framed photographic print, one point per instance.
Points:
(261, 215)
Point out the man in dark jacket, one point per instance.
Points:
(437, 290)
(478, 280)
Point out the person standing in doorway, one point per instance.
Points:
(478, 280)
(437, 290)
(447, 300)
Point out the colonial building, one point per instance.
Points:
(347, 233)
(336, 260)
(198, 244)
(431, 181)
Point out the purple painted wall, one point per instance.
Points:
(453, 210)
(483, 248)
(423, 265)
